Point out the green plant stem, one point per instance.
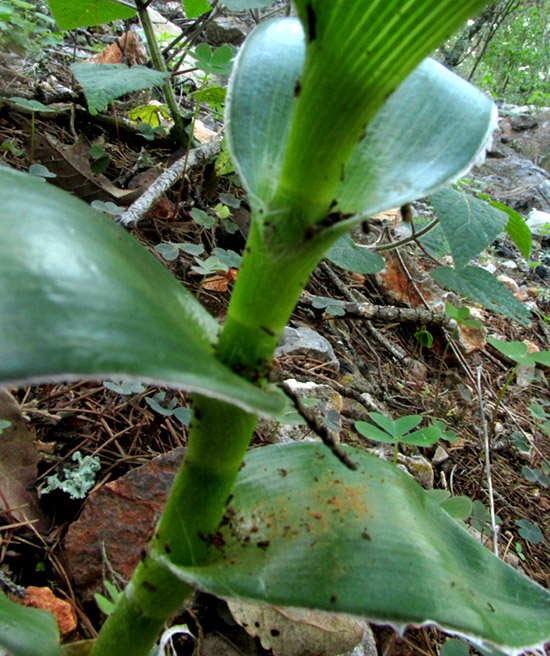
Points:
(440, 370)
(266, 291)
(497, 404)
(160, 65)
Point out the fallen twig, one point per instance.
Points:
(143, 204)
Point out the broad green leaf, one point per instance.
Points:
(422, 437)
(454, 647)
(469, 224)
(79, 297)
(482, 287)
(194, 8)
(27, 631)
(303, 530)
(517, 351)
(517, 229)
(260, 98)
(433, 241)
(374, 433)
(102, 83)
(358, 53)
(425, 136)
(31, 105)
(217, 62)
(459, 507)
(86, 13)
(461, 314)
(348, 255)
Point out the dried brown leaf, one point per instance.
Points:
(18, 461)
(297, 632)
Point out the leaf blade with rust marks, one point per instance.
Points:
(362, 542)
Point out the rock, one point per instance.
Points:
(522, 122)
(117, 522)
(440, 456)
(330, 405)
(509, 264)
(538, 222)
(471, 339)
(530, 182)
(417, 467)
(162, 27)
(45, 599)
(226, 29)
(367, 646)
(305, 341)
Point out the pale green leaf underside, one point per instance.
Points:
(304, 530)
(79, 297)
(259, 102)
(426, 135)
(469, 224)
(102, 83)
(86, 13)
(27, 631)
(482, 287)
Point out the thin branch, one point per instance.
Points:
(143, 204)
(318, 428)
(494, 527)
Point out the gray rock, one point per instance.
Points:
(367, 646)
(226, 29)
(305, 341)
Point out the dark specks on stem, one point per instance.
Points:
(148, 586)
(311, 20)
(297, 88)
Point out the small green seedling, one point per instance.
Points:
(331, 306)
(424, 337)
(171, 409)
(518, 353)
(124, 387)
(107, 605)
(535, 476)
(202, 218)
(480, 519)
(107, 207)
(530, 532)
(460, 315)
(459, 507)
(33, 106)
(170, 251)
(400, 430)
(41, 172)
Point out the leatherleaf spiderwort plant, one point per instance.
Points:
(332, 117)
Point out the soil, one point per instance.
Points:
(124, 431)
